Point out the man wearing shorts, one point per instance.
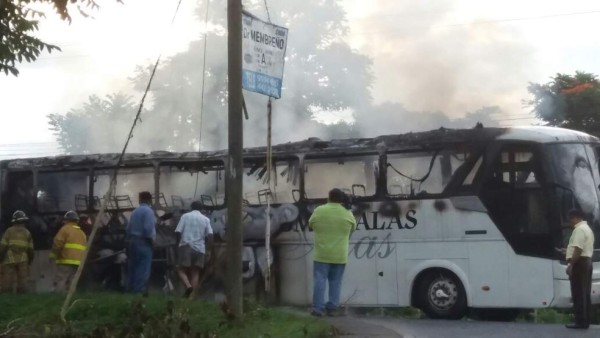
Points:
(194, 235)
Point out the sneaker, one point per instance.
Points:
(316, 313)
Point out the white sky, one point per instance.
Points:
(453, 56)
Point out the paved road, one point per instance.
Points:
(424, 328)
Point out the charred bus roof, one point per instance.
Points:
(438, 138)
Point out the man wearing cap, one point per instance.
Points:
(579, 259)
(67, 251)
(141, 234)
(332, 225)
(16, 254)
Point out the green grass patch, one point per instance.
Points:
(101, 315)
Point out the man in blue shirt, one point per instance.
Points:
(141, 234)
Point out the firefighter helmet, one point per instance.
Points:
(71, 216)
(19, 217)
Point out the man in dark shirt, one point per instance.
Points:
(141, 233)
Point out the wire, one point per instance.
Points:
(541, 17)
(516, 118)
(202, 93)
(203, 74)
(267, 9)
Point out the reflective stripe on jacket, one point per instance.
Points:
(69, 245)
(16, 245)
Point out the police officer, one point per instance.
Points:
(16, 254)
(67, 250)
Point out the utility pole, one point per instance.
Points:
(234, 173)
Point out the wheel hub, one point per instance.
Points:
(443, 293)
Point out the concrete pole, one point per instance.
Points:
(234, 185)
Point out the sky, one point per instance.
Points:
(453, 56)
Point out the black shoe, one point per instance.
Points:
(315, 313)
(577, 326)
(188, 292)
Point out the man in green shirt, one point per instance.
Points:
(332, 225)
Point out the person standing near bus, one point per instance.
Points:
(141, 234)
(332, 225)
(195, 238)
(16, 254)
(579, 259)
(67, 250)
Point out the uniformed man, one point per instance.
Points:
(16, 254)
(67, 251)
(579, 268)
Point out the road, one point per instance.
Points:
(425, 328)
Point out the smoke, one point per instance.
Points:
(427, 74)
(430, 59)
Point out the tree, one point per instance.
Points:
(322, 73)
(569, 101)
(19, 21)
(101, 125)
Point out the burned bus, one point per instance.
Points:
(446, 220)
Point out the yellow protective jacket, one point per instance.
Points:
(69, 245)
(16, 245)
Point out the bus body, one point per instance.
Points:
(446, 219)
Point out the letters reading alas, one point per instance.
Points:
(264, 38)
(375, 221)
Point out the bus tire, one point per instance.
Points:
(441, 295)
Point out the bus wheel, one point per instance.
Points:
(442, 296)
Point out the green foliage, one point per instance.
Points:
(547, 316)
(18, 23)
(116, 315)
(99, 126)
(569, 101)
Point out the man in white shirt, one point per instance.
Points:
(195, 236)
(579, 259)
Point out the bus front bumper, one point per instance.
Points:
(562, 293)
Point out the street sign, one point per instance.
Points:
(263, 49)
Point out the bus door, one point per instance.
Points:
(515, 197)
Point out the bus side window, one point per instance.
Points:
(355, 175)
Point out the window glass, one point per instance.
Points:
(576, 168)
(354, 175)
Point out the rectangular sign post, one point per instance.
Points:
(263, 46)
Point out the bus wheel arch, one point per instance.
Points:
(440, 294)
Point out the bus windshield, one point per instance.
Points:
(578, 177)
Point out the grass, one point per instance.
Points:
(101, 315)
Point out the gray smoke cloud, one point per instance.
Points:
(427, 73)
(430, 62)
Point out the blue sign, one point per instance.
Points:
(263, 48)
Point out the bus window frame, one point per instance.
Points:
(36, 185)
(194, 166)
(333, 157)
(253, 159)
(452, 188)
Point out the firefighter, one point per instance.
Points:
(16, 254)
(67, 251)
